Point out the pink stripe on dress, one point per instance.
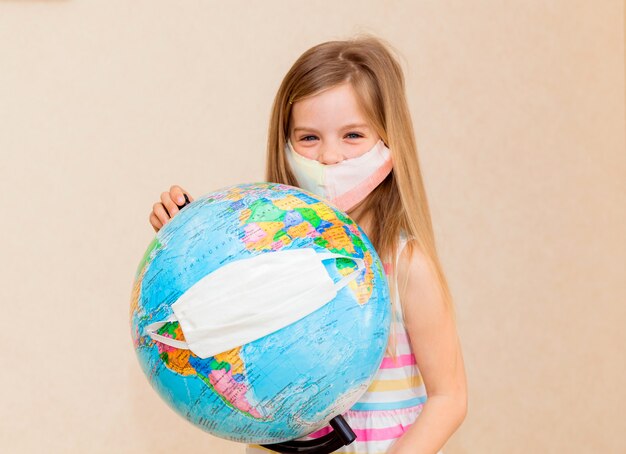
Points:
(401, 361)
(385, 433)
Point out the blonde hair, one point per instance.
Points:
(399, 203)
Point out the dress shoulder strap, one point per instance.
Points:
(403, 240)
(401, 245)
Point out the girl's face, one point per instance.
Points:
(330, 127)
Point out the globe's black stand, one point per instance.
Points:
(341, 435)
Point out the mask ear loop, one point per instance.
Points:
(151, 330)
(346, 279)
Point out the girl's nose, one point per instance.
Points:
(329, 155)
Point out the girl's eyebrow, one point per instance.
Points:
(303, 128)
(355, 125)
(350, 126)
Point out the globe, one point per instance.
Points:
(292, 381)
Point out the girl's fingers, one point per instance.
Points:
(156, 224)
(177, 194)
(169, 204)
(160, 213)
(168, 207)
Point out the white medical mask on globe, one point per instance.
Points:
(247, 299)
(346, 183)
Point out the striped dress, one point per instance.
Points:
(389, 406)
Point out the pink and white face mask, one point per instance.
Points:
(346, 183)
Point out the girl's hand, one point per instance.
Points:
(170, 204)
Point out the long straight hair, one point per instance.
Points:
(399, 203)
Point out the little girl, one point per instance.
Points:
(341, 128)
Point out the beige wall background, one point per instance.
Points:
(519, 114)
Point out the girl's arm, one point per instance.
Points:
(437, 351)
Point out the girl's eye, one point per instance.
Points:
(306, 137)
(354, 134)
